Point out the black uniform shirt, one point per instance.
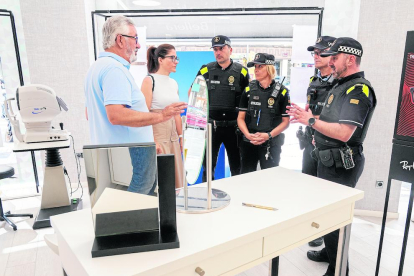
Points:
(283, 99)
(356, 104)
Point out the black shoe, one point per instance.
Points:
(317, 242)
(318, 256)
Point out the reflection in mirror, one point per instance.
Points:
(195, 133)
(116, 166)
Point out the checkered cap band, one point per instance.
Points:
(270, 62)
(350, 50)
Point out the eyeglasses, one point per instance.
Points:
(173, 58)
(316, 53)
(134, 37)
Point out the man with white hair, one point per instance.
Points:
(115, 106)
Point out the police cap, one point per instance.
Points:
(220, 41)
(322, 43)
(345, 45)
(262, 58)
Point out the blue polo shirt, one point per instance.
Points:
(109, 82)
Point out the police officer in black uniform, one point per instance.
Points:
(262, 116)
(341, 128)
(226, 81)
(319, 86)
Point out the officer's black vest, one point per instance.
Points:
(317, 91)
(266, 105)
(224, 89)
(332, 110)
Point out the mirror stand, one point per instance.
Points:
(199, 200)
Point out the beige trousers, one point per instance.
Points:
(166, 136)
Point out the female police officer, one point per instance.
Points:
(262, 116)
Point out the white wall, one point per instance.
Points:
(383, 25)
(58, 56)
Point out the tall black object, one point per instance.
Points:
(402, 161)
(6, 172)
(154, 235)
(19, 68)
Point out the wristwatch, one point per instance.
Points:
(270, 136)
(311, 121)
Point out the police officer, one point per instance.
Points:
(262, 116)
(226, 81)
(319, 86)
(341, 128)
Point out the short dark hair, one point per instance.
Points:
(154, 53)
(357, 60)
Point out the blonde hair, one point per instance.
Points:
(271, 70)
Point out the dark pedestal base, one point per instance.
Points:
(134, 243)
(43, 218)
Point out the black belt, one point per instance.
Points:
(222, 123)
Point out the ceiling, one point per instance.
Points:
(235, 24)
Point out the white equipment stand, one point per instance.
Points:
(198, 200)
(55, 195)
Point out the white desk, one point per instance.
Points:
(226, 242)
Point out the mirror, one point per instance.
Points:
(196, 129)
(112, 166)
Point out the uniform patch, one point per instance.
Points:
(215, 81)
(216, 39)
(330, 100)
(255, 103)
(231, 79)
(309, 98)
(354, 101)
(256, 97)
(271, 101)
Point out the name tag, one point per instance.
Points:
(256, 103)
(215, 82)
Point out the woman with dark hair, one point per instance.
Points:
(160, 90)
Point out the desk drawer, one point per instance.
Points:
(224, 262)
(292, 235)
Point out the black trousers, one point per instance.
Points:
(344, 177)
(228, 137)
(309, 165)
(251, 154)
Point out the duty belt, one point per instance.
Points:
(215, 123)
(332, 156)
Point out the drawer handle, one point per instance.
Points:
(314, 224)
(200, 271)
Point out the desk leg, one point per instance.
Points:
(342, 253)
(35, 170)
(274, 267)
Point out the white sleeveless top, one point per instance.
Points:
(165, 92)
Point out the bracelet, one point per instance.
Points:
(180, 136)
(270, 136)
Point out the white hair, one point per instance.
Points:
(112, 27)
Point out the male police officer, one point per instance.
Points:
(319, 86)
(340, 129)
(226, 81)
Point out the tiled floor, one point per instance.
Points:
(24, 252)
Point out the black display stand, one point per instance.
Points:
(141, 230)
(402, 157)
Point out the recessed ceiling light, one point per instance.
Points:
(147, 3)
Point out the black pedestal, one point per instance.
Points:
(43, 218)
(401, 168)
(134, 243)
